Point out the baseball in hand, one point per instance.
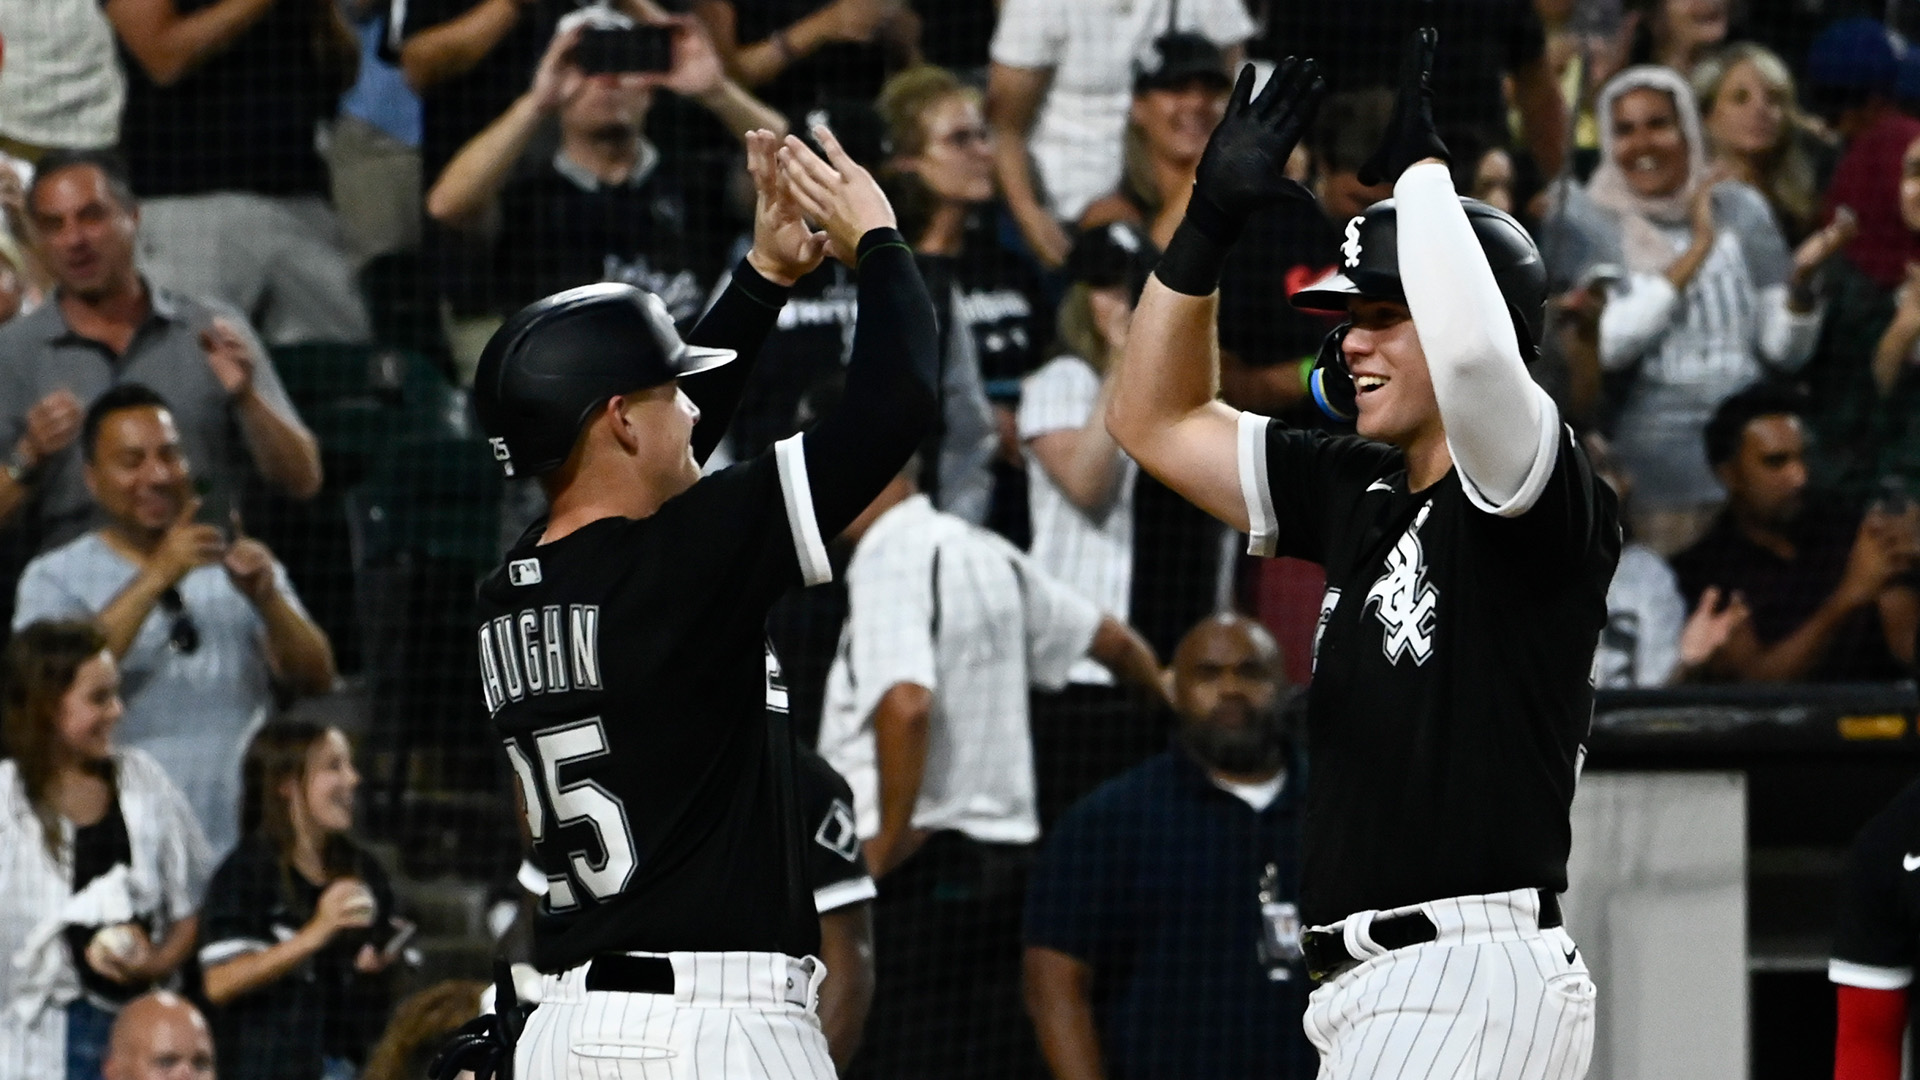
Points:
(118, 942)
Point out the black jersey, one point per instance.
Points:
(626, 665)
(1452, 666)
(836, 868)
(1877, 939)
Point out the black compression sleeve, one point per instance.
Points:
(739, 320)
(892, 396)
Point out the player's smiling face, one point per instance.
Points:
(1393, 390)
(1648, 145)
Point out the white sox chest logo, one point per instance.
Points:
(1402, 599)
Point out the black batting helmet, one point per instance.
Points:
(546, 371)
(1370, 267)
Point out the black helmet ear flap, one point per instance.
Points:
(1330, 383)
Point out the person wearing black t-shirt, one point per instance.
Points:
(1831, 590)
(622, 645)
(224, 103)
(1468, 548)
(611, 205)
(298, 919)
(801, 53)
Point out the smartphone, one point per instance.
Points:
(604, 51)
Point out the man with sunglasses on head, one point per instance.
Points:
(203, 623)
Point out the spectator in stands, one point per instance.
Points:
(1650, 639)
(1484, 171)
(1058, 98)
(224, 104)
(1851, 71)
(1831, 590)
(106, 324)
(419, 1028)
(1178, 98)
(16, 287)
(1678, 34)
(1489, 45)
(160, 1036)
(61, 86)
(202, 623)
(1708, 297)
(373, 147)
(1758, 136)
(940, 178)
(1162, 938)
(926, 719)
(100, 854)
(797, 54)
(468, 60)
(1137, 557)
(1865, 417)
(611, 205)
(298, 919)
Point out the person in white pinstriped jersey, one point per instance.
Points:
(1468, 547)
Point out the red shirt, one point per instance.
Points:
(1867, 178)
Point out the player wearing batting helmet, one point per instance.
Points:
(1467, 548)
(622, 650)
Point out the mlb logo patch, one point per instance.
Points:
(524, 571)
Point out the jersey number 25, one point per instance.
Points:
(581, 801)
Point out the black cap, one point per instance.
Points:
(1109, 255)
(1179, 59)
(550, 367)
(857, 124)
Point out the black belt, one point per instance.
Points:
(630, 974)
(1327, 956)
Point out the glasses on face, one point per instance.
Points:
(183, 636)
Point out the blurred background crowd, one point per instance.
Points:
(250, 250)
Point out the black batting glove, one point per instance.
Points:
(1245, 165)
(1243, 169)
(1411, 134)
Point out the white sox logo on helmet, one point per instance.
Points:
(1351, 249)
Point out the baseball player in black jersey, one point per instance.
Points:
(622, 645)
(1467, 548)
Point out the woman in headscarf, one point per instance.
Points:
(1703, 297)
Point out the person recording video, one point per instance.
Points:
(611, 205)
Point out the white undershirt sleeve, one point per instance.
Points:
(1639, 309)
(1787, 338)
(1502, 429)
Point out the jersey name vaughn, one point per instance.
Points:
(1402, 599)
(546, 650)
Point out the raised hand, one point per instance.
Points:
(249, 565)
(229, 356)
(1824, 244)
(1411, 135)
(784, 248)
(52, 425)
(1244, 167)
(186, 545)
(1709, 626)
(837, 193)
(558, 78)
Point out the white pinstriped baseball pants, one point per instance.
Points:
(1493, 997)
(731, 1015)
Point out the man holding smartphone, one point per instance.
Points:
(611, 205)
